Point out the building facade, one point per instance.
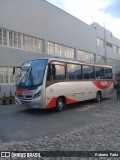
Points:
(32, 29)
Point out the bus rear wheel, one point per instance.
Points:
(60, 104)
(98, 97)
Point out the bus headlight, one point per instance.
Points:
(37, 94)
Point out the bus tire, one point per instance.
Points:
(60, 104)
(98, 97)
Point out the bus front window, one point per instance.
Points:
(32, 73)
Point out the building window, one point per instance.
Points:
(117, 63)
(60, 50)
(6, 75)
(0, 36)
(115, 48)
(118, 49)
(1, 75)
(21, 41)
(101, 60)
(28, 43)
(39, 45)
(109, 61)
(108, 44)
(24, 42)
(51, 48)
(100, 42)
(15, 39)
(31, 43)
(4, 37)
(11, 39)
(86, 56)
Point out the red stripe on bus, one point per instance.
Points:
(69, 101)
(102, 84)
(52, 103)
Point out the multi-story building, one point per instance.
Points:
(32, 29)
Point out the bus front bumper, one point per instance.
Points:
(34, 103)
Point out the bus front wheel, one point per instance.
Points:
(60, 104)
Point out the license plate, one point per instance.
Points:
(27, 92)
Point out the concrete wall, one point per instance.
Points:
(41, 19)
(15, 57)
(103, 33)
(66, 29)
(5, 88)
(24, 16)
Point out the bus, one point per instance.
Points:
(54, 83)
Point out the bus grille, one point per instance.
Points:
(25, 102)
(25, 97)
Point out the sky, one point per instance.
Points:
(104, 12)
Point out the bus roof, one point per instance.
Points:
(72, 61)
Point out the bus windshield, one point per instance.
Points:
(32, 73)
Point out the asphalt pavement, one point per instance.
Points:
(22, 124)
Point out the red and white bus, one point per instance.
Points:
(54, 83)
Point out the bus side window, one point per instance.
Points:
(51, 73)
(108, 73)
(99, 72)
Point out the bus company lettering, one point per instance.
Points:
(33, 155)
(25, 154)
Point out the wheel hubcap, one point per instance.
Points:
(61, 104)
(98, 97)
